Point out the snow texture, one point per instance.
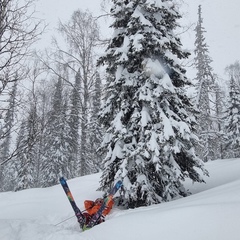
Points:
(212, 212)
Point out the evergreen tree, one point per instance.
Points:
(147, 115)
(8, 123)
(220, 108)
(19, 165)
(55, 160)
(43, 96)
(6, 131)
(27, 151)
(234, 71)
(232, 124)
(74, 123)
(95, 129)
(205, 86)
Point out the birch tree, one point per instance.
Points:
(81, 33)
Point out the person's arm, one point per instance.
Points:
(108, 207)
(88, 204)
(91, 207)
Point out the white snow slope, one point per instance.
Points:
(212, 212)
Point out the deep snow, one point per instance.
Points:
(212, 212)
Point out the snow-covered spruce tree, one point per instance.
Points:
(6, 132)
(27, 150)
(205, 94)
(21, 165)
(147, 115)
(55, 160)
(74, 123)
(233, 70)
(8, 123)
(95, 129)
(232, 120)
(220, 107)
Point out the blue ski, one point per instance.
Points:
(80, 217)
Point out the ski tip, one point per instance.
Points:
(62, 179)
(119, 184)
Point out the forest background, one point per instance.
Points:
(52, 93)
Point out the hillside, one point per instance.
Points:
(212, 212)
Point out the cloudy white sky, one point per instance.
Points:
(221, 21)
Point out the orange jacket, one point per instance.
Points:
(91, 207)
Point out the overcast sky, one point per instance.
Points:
(221, 19)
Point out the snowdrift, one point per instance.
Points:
(212, 212)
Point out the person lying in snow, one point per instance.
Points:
(92, 207)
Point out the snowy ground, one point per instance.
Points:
(211, 213)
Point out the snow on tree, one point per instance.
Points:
(55, 160)
(81, 33)
(27, 150)
(8, 123)
(6, 131)
(95, 129)
(233, 70)
(205, 94)
(232, 119)
(147, 115)
(219, 108)
(74, 122)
